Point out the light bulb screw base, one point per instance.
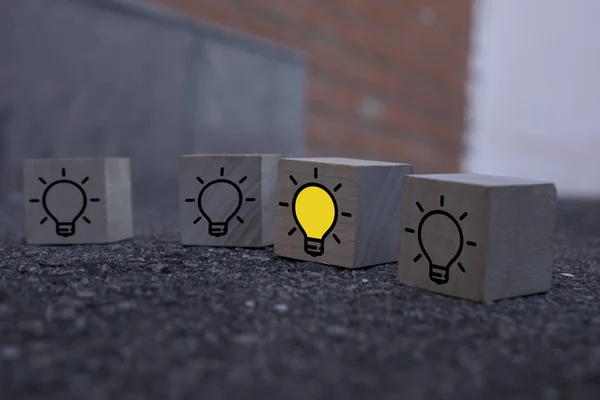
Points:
(217, 229)
(439, 274)
(314, 247)
(65, 229)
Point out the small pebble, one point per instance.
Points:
(52, 262)
(246, 338)
(159, 268)
(85, 294)
(9, 353)
(80, 324)
(125, 306)
(211, 337)
(67, 313)
(568, 275)
(250, 303)
(281, 307)
(364, 280)
(336, 330)
(35, 326)
(42, 361)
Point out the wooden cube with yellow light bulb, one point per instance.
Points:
(339, 211)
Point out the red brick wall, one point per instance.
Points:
(384, 84)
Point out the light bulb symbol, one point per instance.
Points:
(219, 215)
(64, 201)
(64, 217)
(440, 222)
(315, 211)
(439, 271)
(219, 201)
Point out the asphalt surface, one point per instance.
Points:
(149, 319)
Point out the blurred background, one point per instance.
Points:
(500, 87)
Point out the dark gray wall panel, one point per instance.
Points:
(106, 78)
(247, 102)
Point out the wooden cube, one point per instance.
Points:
(77, 200)
(227, 200)
(339, 211)
(477, 237)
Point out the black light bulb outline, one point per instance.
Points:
(220, 228)
(64, 229)
(440, 274)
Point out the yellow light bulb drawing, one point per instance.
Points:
(315, 212)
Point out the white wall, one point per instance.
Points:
(535, 92)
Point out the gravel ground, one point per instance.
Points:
(149, 319)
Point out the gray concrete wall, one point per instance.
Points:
(117, 78)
